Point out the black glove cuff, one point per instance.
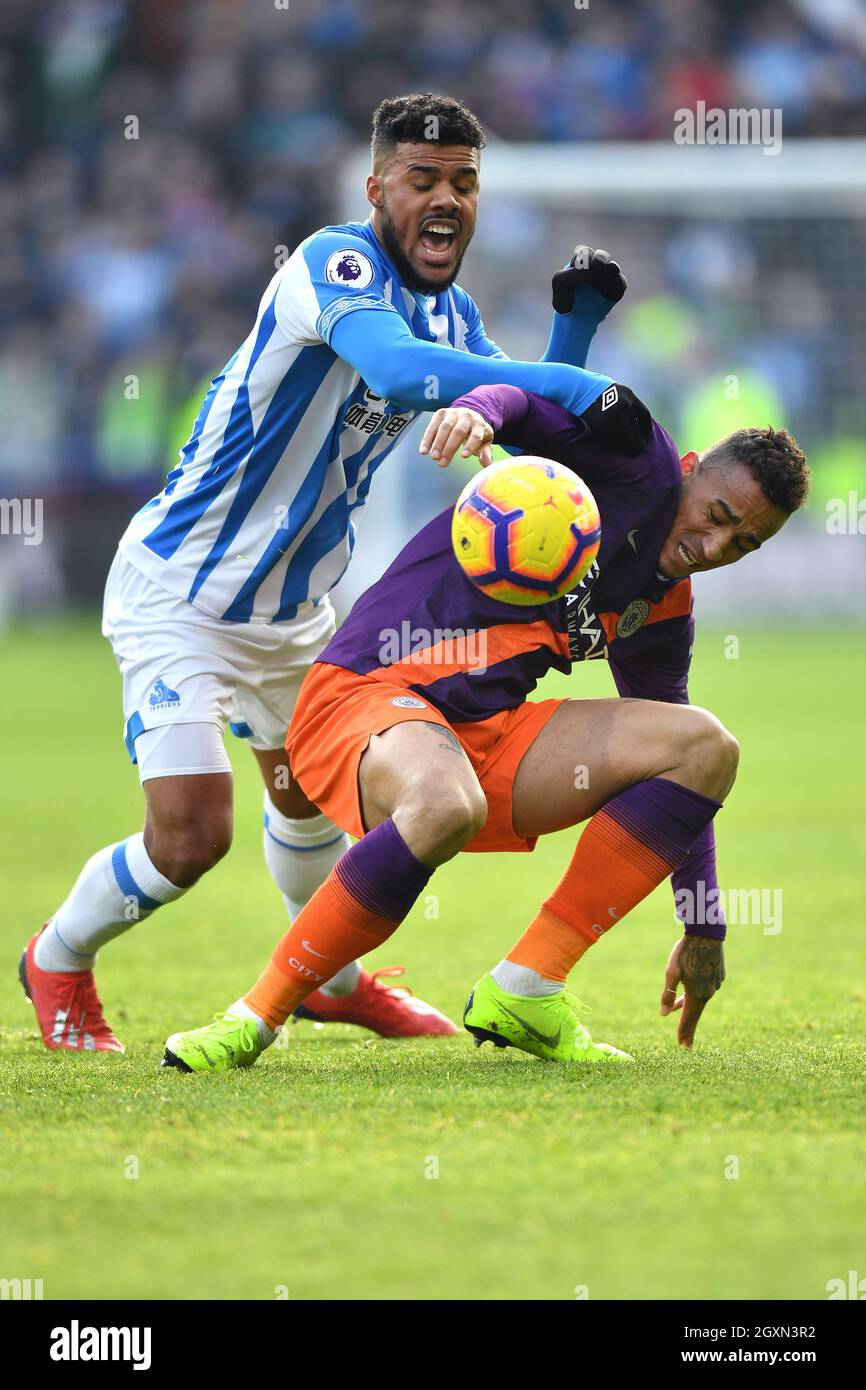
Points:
(619, 421)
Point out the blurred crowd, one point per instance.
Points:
(153, 154)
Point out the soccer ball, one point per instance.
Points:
(526, 530)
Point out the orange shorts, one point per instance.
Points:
(337, 713)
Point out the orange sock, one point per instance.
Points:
(628, 847)
(362, 901)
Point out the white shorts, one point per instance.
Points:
(182, 667)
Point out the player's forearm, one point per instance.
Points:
(697, 895)
(584, 292)
(569, 340)
(524, 420)
(429, 376)
(666, 680)
(571, 334)
(423, 376)
(503, 407)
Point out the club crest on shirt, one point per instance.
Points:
(632, 617)
(349, 267)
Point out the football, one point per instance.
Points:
(526, 530)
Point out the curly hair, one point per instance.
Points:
(423, 116)
(773, 457)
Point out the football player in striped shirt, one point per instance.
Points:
(428, 746)
(217, 601)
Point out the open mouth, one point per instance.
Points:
(686, 557)
(437, 242)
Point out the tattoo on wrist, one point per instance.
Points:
(702, 965)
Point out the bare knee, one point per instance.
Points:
(711, 755)
(438, 825)
(183, 851)
(463, 813)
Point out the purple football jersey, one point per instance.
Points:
(622, 611)
(425, 626)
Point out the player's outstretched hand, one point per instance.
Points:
(698, 963)
(453, 427)
(587, 270)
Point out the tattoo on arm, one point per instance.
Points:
(702, 966)
(450, 741)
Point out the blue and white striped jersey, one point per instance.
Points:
(258, 518)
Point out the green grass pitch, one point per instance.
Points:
(346, 1167)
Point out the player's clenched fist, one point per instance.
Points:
(588, 273)
(457, 427)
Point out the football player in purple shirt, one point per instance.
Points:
(414, 731)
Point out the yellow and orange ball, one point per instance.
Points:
(526, 530)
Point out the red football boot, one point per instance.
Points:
(391, 1011)
(67, 1006)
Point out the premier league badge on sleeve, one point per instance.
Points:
(633, 617)
(349, 267)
